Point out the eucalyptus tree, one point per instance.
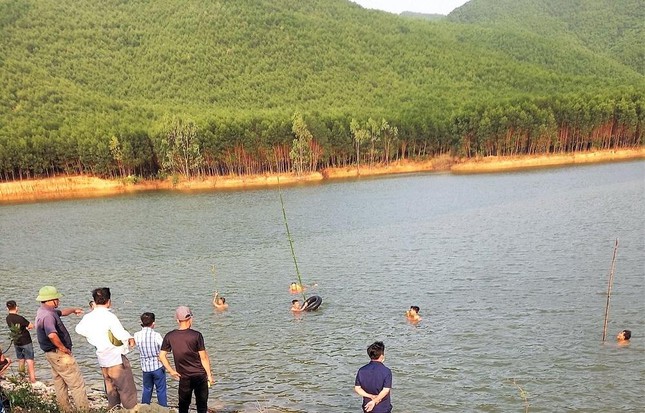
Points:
(359, 135)
(301, 149)
(180, 151)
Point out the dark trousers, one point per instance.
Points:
(186, 387)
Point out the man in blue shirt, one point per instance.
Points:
(55, 341)
(374, 381)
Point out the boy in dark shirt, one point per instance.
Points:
(22, 341)
(374, 381)
(192, 366)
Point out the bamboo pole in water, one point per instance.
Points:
(609, 284)
(214, 276)
(293, 253)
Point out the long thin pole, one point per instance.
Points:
(609, 284)
(293, 252)
(214, 276)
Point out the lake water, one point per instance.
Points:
(510, 271)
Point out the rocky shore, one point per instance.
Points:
(45, 390)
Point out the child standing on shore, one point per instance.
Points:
(154, 375)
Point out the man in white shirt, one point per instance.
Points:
(103, 330)
(154, 375)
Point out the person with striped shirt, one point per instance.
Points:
(154, 375)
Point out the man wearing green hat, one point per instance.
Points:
(55, 341)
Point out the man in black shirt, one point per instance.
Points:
(192, 366)
(21, 340)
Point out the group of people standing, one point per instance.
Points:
(104, 331)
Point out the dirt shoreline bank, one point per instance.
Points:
(70, 187)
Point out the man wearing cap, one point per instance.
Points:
(55, 341)
(193, 368)
(103, 330)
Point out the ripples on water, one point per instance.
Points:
(509, 270)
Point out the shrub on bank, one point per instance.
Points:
(23, 397)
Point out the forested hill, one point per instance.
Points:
(614, 28)
(93, 85)
(425, 16)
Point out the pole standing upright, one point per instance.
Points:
(609, 284)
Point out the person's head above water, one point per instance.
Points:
(296, 306)
(415, 308)
(295, 287)
(624, 335)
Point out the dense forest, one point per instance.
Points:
(146, 88)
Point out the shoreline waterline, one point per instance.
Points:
(83, 186)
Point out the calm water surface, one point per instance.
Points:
(510, 271)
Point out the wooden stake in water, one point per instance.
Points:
(214, 276)
(293, 253)
(609, 284)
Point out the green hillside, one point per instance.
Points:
(99, 86)
(423, 16)
(612, 28)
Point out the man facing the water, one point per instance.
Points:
(22, 340)
(149, 344)
(55, 341)
(103, 330)
(374, 381)
(193, 368)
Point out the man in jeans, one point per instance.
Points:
(193, 368)
(374, 381)
(22, 342)
(149, 344)
(55, 341)
(104, 331)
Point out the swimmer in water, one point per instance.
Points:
(219, 302)
(295, 288)
(296, 307)
(413, 313)
(623, 337)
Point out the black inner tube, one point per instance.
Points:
(313, 303)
